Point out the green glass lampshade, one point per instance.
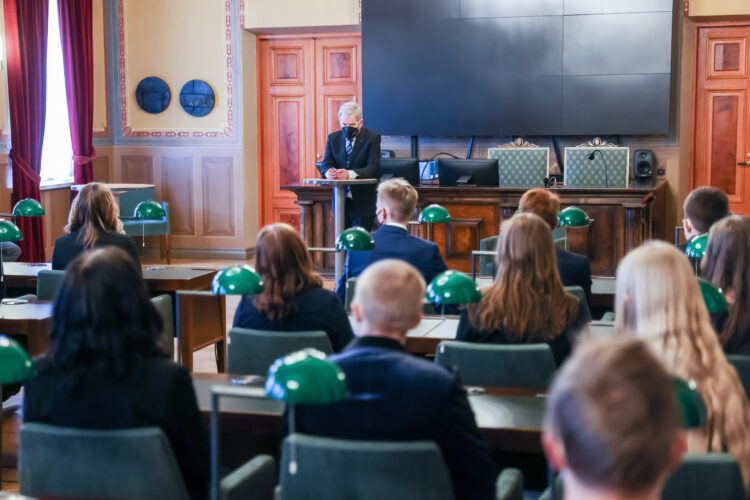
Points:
(713, 297)
(573, 216)
(237, 280)
(691, 404)
(434, 214)
(453, 287)
(696, 247)
(306, 377)
(9, 231)
(149, 210)
(355, 238)
(15, 363)
(28, 207)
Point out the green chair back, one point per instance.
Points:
(529, 366)
(560, 237)
(252, 352)
(485, 261)
(706, 475)
(578, 292)
(47, 283)
(742, 365)
(163, 304)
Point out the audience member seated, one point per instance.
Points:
(397, 201)
(658, 300)
(398, 397)
(92, 223)
(11, 251)
(526, 303)
(294, 298)
(573, 268)
(702, 208)
(612, 425)
(726, 264)
(104, 369)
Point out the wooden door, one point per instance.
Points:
(722, 113)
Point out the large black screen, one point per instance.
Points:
(526, 67)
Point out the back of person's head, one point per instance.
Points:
(612, 420)
(543, 203)
(283, 261)
(704, 206)
(399, 198)
(527, 299)
(388, 299)
(726, 264)
(103, 322)
(94, 210)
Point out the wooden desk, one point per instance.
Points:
(32, 320)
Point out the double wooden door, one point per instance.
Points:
(722, 113)
(302, 83)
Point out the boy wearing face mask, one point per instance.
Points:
(354, 152)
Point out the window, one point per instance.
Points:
(57, 151)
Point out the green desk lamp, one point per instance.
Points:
(573, 217)
(239, 279)
(692, 407)
(28, 207)
(451, 288)
(715, 301)
(433, 214)
(355, 238)
(696, 247)
(148, 210)
(8, 232)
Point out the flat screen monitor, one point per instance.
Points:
(406, 168)
(468, 172)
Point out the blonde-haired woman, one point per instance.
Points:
(92, 223)
(658, 300)
(527, 302)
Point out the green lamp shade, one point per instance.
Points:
(355, 238)
(573, 216)
(713, 297)
(692, 407)
(9, 231)
(149, 210)
(696, 247)
(15, 363)
(453, 287)
(434, 214)
(28, 207)
(237, 280)
(306, 377)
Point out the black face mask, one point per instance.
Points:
(350, 132)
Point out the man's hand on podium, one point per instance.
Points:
(340, 174)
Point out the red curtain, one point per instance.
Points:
(77, 45)
(26, 53)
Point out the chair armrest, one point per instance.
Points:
(509, 485)
(28, 296)
(256, 480)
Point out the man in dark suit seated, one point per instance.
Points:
(354, 152)
(396, 396)
(397, 201)
(574, 268)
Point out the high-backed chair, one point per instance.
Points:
(742, 365)
(529, 366)
(252, 352)
(119, 464)
(578, 292)
(489, 244)
(47, 283)
(163, 304)
(136, 228)
(338, 469)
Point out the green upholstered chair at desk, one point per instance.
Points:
(338, 469)
(351, 286)
(127, 463)
(164, 305)
(490, 245)
(499, 365)
(137, 228)
(578, 292)
(47, 283)
(252, 352)
(742, 365)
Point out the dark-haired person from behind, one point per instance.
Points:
(92, 223)
(104, 370)
(294, 298)
(703, 207)
(526, 303)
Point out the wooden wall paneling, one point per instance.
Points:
(137, 169)
(470, 222)
(102, 169)
(177, 173)
(218, 182)
(6, 184)
(56, 203)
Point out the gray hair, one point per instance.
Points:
(350, 108)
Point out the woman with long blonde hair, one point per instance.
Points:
(526, 303)
(659, 301)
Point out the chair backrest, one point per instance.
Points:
(47, 283)
(163, 304)
(499, 365)
(581, 296)
(252, 352)
(338, 469)
(560, 237)
(741, 363)
(129, 198)
(351, 285)
(113, 464)
(706, 475)
(485, 262)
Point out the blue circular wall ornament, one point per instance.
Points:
(197, 98)
(152, 95)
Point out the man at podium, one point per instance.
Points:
(354, 153)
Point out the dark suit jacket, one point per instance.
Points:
(317, 309)
(365, 161)
(160, 395)
(398, 397)
(70, 246)
(574, 271)
(392, 242)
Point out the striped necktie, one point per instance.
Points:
(349, 147)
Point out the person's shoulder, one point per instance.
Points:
(401, 364)
(369, 134)
(67, 238)
(571, 258)
(164, 370)
(317, 293)
(334, 135)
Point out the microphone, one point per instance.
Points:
(590, 156)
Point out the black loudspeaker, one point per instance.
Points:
(643, 164)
